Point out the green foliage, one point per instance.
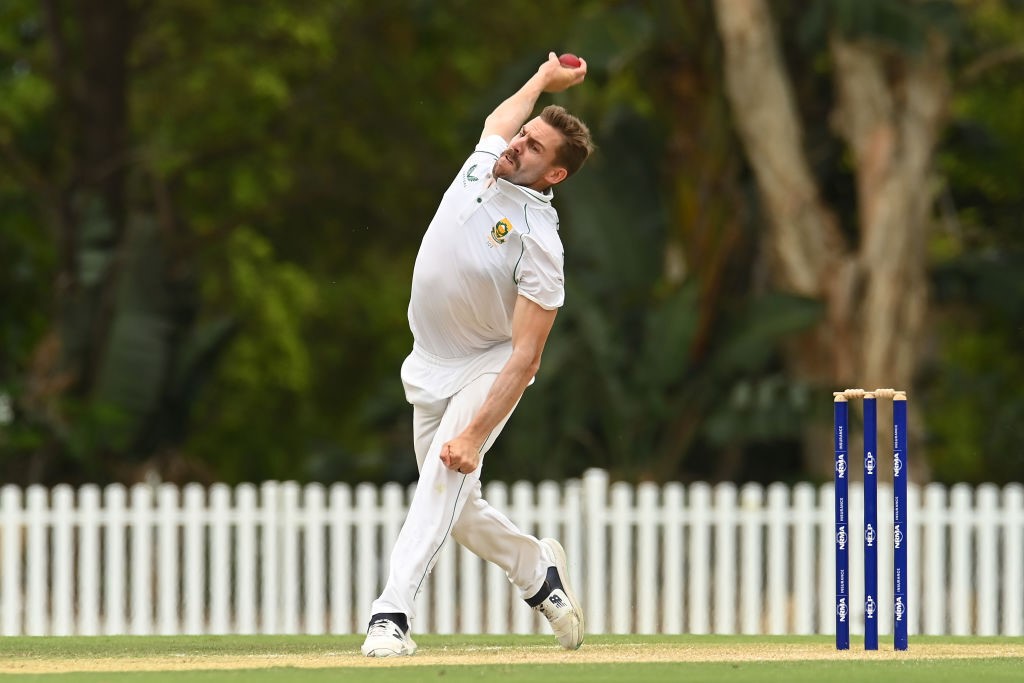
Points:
(973, 404)
(981, 157)
(137, 353)
(26, 255)
(282, 161)
(900, 25)
(23, 96)
(252, 419)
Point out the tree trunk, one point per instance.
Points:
(892, 125)
(90, 76)
(806, 249)
(889, 110)
(90, 47)
(805, 239)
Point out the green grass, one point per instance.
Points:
(912, 667)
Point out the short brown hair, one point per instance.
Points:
(576, 142)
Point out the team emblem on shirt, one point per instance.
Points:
(499, 232)
(469, 175)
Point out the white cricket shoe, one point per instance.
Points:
(555, 600)
(385, 638)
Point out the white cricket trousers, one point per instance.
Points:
(446, 502)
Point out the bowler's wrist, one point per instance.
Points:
(473, 436)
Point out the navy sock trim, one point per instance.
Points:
(397, 617)
(551, 582)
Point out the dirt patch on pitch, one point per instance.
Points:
(479, 656)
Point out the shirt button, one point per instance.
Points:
(478, 200)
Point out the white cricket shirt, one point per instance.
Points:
(489, 241)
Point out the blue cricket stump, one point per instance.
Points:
(899, 519)
(870, 523)
(841, 429)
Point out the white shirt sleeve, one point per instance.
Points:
(540, 274)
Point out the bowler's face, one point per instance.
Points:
(530, 156)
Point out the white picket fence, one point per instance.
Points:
(284, 558)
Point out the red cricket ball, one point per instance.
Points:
(569, 60)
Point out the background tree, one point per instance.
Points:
(889, 65)
(972, 375)
(209, 214)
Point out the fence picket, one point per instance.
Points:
(270, 556)
(1013, 560)
(88, 560)
(987, 558)
(10, 563)
(367, 547)
(699, 584)
(168, 560)
(724, 610)
(751, 560)
(778, 553)
(645, 581)
(282, 558)
(961, 592)
(802, 602)
(623, 556)
(115, 509)
(827, 568)
(63, 559)
(313, 560)
(915, 561)
(37, 558)
(220, 559)
(595, 503)
(673, 559)
(194, 558)
(246, 560)
(934, 580)
(141, 520)
(289, 540)
(340, 513)
(886, 557)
